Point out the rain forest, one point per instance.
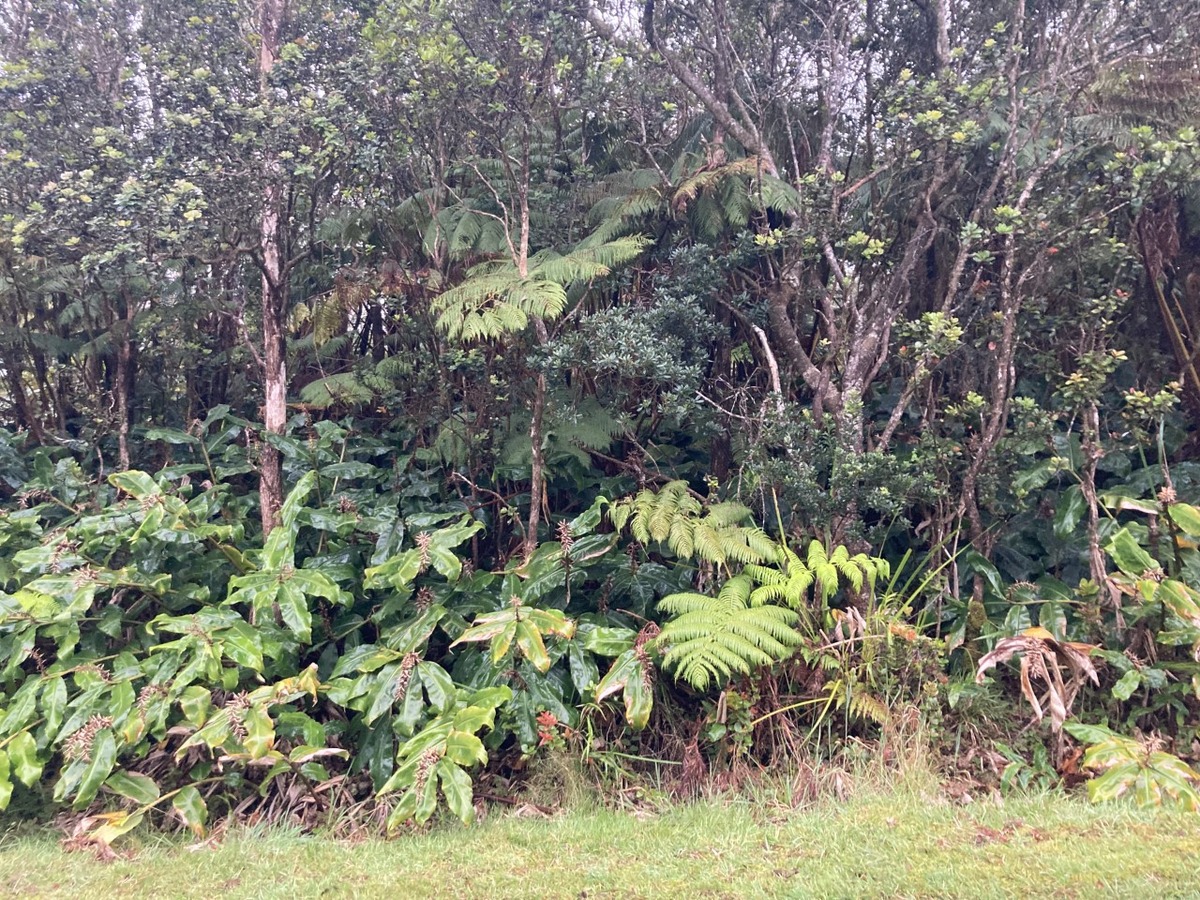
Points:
(409, 404)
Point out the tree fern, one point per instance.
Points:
(697, 183)
(789, 580)
(615, 216)
(714, 638)
(675, 517)
(496, 299)
(343, 388)
(777, 195)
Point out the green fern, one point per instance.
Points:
(675, 517)
(865, 706)
(344, 388)
(791, 578)
(714, 638)
(496, 299)
(777, 195)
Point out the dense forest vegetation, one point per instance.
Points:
(398, 394)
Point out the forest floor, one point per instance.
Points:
(899, 843)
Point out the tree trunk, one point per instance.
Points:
(274, 285)
(125, 379)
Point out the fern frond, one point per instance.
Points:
(760, 546)
(713, 638)
(586, 263)
(709, 543)
(728, 513)
(691, 187)
(734, 199)
(495, 299)
(615, 216)
(867, 706)
(681, 538)
(673, 516)
(777, 195)
(345, 388)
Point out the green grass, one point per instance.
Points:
(900, 844)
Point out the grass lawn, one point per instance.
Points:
(902, 844)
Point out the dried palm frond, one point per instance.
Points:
(1045, 659)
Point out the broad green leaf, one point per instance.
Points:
(196, 703)
(99, 767)
(1088, 734)
(22, 706)
(399, 571)
(171, 436)
(1176, 778)
(1033, 478)
(383, 693)
(403, 811)
(474, 718)
(608, 641)
(585, 674)
(1182, 600)
(629, 677)
(293, 606)
(54, 705)
(529, 642)
(260, 732)
(465, 749)
(6, 785)
(411, 637)
(1113, 783)
(491, 697)
(1128, 554)
(426, 799)
(1117, 502)
(365, 658)
(442, 544)
(1129, 683)
(438, 685)
(141, 789)
(191, 809)
(411, 707)
(456, 787)
(1070, 512)
(23, 755)
(1053, 618)
(136, 484)
(279, 550)
(241, 643)
(489, 626)
(1187, 517)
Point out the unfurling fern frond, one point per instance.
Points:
(714, 638)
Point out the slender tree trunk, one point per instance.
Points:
(27, 417)
(125, 379)
(537, 475)
(1092, 454)
(274, 285)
